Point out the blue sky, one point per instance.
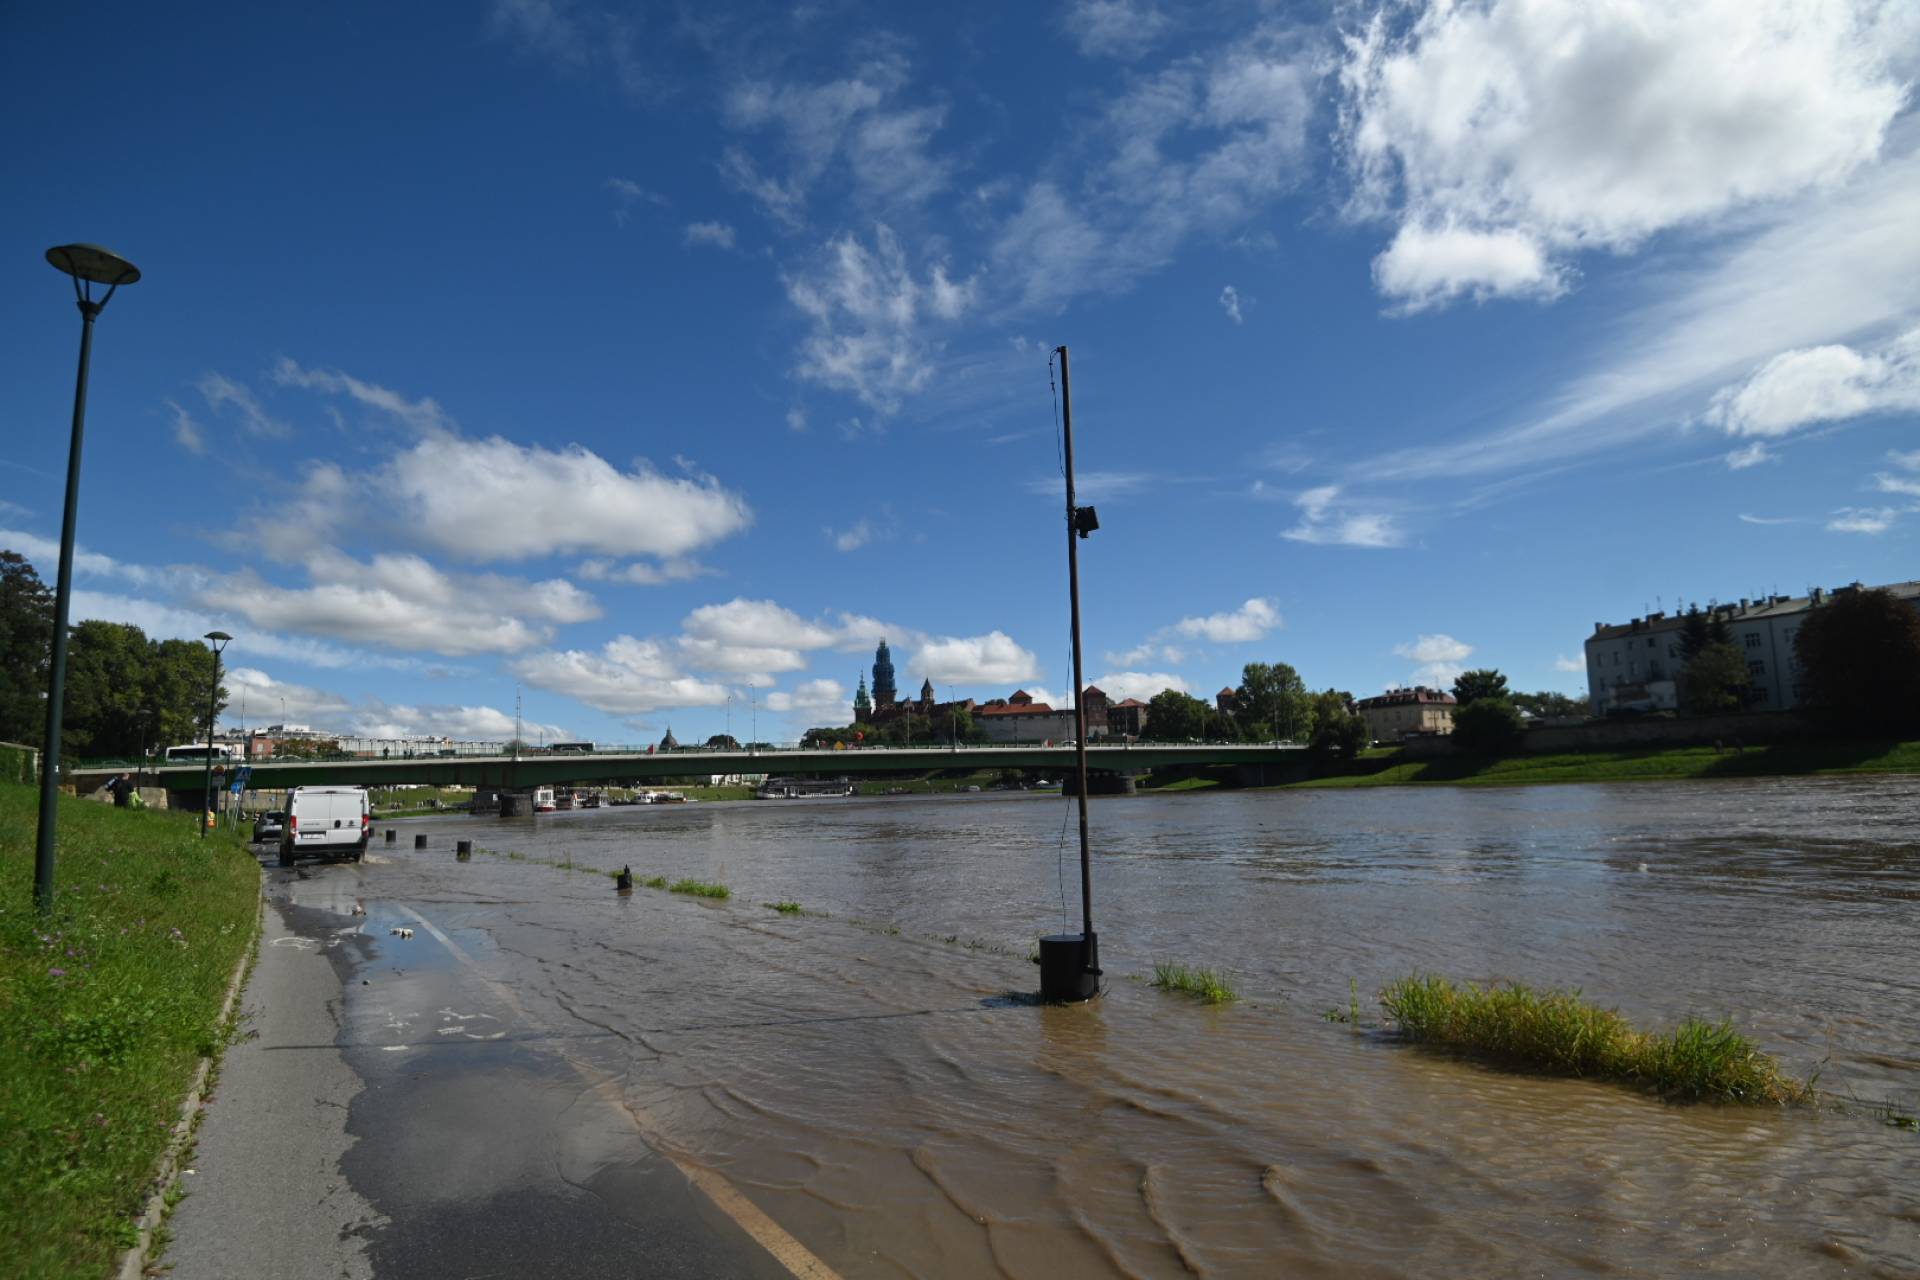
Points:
(647, 359)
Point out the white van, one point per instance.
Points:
(333, 822)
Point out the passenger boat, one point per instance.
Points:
(543, 801)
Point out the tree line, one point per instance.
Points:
(125, 693)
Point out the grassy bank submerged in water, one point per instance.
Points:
(1558, 1033)
(105, 1009)
(1388, 768)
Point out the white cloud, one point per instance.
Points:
(1426, 266)
(827, 698)
(643, 573)
(186, 432)
(1198, 148)
(856, 121)
(1820, 384)
(45, 555)
(1122, 29)
(716, 235)
(1323, 521)
(406, 603)
(1862, 520)
(496, 500)
(1436, 648)
(852, 539)
(750, 637)
(858, 632)
(632, 193)
(1097, 486)
(256, 698)
(163, 621)
(1250, 621)
(1829, 268)
(1574, 665)
(627, 677)
(1751, 455)
(1150, 651)
(1574, 127)
(1230, 303)
(796, 419)
(1747, 519)
(424, 415)
(1121, 685)
(869, 313)
(222, 392)
(461, 723)
(993, 658)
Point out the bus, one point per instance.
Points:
(570, 746)
(201, 751)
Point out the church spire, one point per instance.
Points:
(884, 694)
(862, 705)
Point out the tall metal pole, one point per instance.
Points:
(63, 598)
(1079, 683)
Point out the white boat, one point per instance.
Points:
(543, 801)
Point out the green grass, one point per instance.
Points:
(654, 882)
(785, 908)
(105, 1009)
(1639, 764)
(1209, 985)
(1558, 1033)
(699, 889)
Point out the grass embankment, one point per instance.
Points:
(1640, 764)
(1209, 985)
(1558, 1033)
(106, 1007)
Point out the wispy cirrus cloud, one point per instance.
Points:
(1326, 520)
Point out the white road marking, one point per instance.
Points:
(801, 1261)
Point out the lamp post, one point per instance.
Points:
(88, 265)
(218, 640)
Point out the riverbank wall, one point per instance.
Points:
(1761, 728)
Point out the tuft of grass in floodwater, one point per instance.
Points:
(1558, 1033)
(106, 1007)
(700, 889)
(784, 908)
(655, 882)
(1209, 985)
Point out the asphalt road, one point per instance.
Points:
(393, 1112)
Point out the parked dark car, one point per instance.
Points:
(269, 826)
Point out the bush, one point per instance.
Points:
(1487, 726)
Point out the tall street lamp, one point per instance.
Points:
(88, 265)
(218, 640)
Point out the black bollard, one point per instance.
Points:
(391, 833)
(463, 846)
(419, 842)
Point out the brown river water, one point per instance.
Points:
(873, 1077)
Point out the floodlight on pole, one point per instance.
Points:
(218, 641)
(89, 265)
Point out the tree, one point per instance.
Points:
(1338, 730)
(1860, 661)
(1274, 701)
(1716, 680)
(724, 742)
(1487, 726)
(127, 694)
(1548, 703)
(26, 649)
(1471, 686)
(1172, 716)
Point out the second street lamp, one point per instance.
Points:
(88, 265)
(218, 639)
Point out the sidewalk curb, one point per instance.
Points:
(133, 1263)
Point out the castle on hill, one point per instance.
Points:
(884, 704)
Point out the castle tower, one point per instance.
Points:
(926, 695)
(862, 705)
(884, 694)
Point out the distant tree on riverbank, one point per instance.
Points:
(1860, 661)
(1716, 680)
(26, 645)
(1487, 726)
(1548, 703)
(1172, 716)
(1471, 686)
(1272, 701)
(1339, 732)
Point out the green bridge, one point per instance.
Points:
(575, 768)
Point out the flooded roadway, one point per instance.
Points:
(865, 1075)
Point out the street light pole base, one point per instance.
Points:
(1069, 967)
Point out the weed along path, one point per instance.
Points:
(831, 1068)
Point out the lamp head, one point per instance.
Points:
(218, 639)
(91, 262)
